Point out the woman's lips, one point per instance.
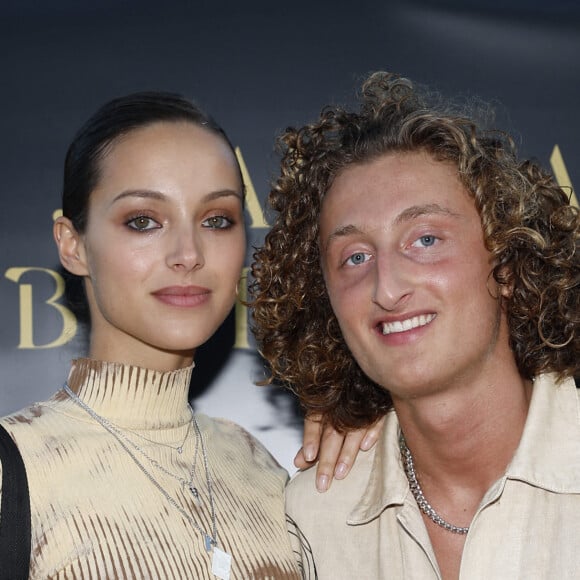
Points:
(183, 296)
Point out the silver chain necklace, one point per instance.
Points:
(179, 448)
(417, 492)
(209, 540)
(119, 433)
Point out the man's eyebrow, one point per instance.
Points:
(340, 232)
(416, 211)
(406, 215)
(348, 230)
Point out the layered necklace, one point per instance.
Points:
(417, 492)
(221, 561)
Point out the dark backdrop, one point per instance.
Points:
(257, 67)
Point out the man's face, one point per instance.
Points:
(408, 275)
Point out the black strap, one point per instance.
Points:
(15, 512)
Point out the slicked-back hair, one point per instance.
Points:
(113, 120)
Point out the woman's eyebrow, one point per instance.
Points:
(222, 193)
(158, 195)
(140, 193)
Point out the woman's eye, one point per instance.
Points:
(425, 241)
(142, 223)
(217, 222)
(357, 258)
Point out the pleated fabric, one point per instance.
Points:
(98, 511)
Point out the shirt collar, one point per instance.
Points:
(387, 484)
(548, 455)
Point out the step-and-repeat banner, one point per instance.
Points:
(257, 68)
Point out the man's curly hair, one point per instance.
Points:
(529, 225)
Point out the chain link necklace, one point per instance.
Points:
(221, 561)
(179, 448)
(417, 492)
(118, 433)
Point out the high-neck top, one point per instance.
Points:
(109, 479)
(131, 396)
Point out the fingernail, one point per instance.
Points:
(322, 483)
(309, 453)
(367, 443)
(340, 470)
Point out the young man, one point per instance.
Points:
(418, 268)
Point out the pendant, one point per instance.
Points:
(208, 543)
(194, 493)
(221, 564)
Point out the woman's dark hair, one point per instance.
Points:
(530, 229)
(113, 120)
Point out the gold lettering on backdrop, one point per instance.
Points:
(252, 201)
(242, 312)
(561, 173)
(56, 214)
(69, 321)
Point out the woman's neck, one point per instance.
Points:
(141, 355)
(133, 396)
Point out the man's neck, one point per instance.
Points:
(465, 438)
(462, 439)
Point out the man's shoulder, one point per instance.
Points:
(302, 495)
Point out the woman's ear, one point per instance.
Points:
(71, 249)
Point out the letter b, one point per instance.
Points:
(69, 321)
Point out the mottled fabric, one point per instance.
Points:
(369, 526)
(96, 514)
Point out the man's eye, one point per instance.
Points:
(425, 241)
(357, 258)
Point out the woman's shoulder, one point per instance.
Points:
(235, 442)
(32, 425)
(23, 419)
(31, 413)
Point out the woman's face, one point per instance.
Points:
(164, 244)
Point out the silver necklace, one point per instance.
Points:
(417, 492)
(179, 448)
(118, 433)
(210, 541)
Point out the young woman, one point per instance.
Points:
(125, 480)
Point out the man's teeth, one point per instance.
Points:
(410, 323)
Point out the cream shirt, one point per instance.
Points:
(368, 526)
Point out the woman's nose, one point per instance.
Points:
(186, 252)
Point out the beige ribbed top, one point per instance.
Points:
(95, 514)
